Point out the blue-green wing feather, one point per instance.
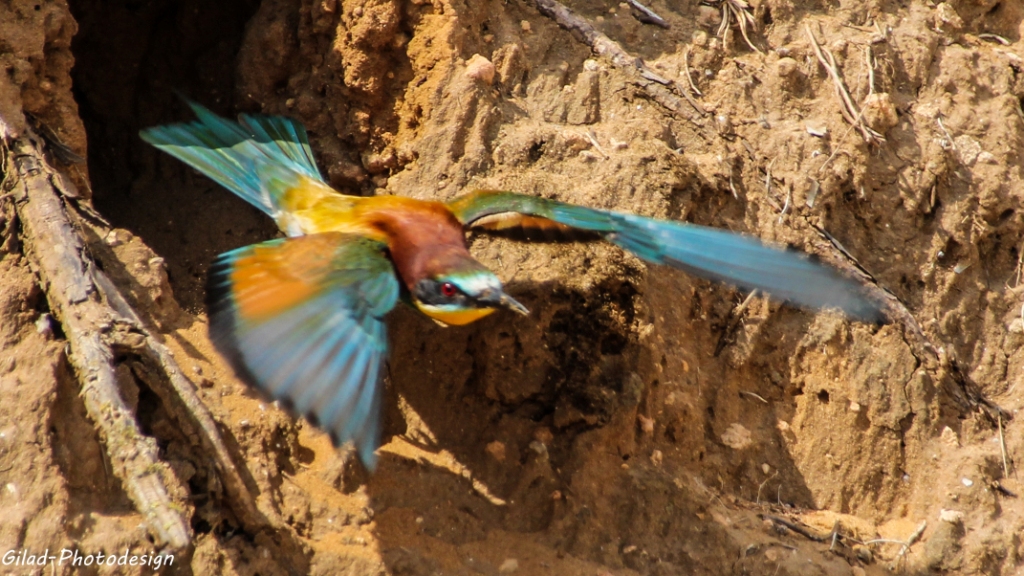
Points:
(285, 140)
(706, 252)
(237, 155)
(321, 355)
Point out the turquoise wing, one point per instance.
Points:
(301, 319)
(257, 158)
(705, 252)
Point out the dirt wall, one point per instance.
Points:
(639, 420)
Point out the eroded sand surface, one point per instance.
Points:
(635, 422)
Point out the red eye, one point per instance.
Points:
(448, 289)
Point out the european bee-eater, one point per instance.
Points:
(302, 318)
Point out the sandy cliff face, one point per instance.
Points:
(639, 420)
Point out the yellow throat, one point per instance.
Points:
(454, 317)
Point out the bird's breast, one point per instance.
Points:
(422, 244)
(423, 237)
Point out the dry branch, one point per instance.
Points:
(162, 373)
(846, 105)
(58, 253)
(658, 88)
(805, 532)
(931, 357)
(913, 538)
(96, 319)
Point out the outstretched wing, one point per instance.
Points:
(706, 252)
(301, 320)
(260, 158)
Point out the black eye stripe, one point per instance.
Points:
(430, 291)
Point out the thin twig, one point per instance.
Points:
(762, 485)
(856, 27)
(1002, 446)
(846, 105)
(604, 46)
(699, 391)
(805, 532)
(785, 207)
(740, 11)
(1002, 490)
(753, 395)
(686, 72)
(723, 26)
(913, 538)
(746, 302)
(768, 177)
(835, 535)
(952, 142)
(690, 99)
(837, 150)
(871, 69)
(883, 541)
(962, 390)
(593, 141)
(995, 37)
(648, 15)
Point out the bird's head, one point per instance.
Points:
(458, 298)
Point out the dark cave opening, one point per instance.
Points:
(132, 59)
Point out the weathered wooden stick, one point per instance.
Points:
(66, 269)
(58, 254)
(178, 393)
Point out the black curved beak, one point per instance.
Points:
(499, 299)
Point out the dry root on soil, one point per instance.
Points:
(849, 109)
(660, 89)
(101, 327)
(738, 10)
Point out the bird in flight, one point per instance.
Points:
(301, 318)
